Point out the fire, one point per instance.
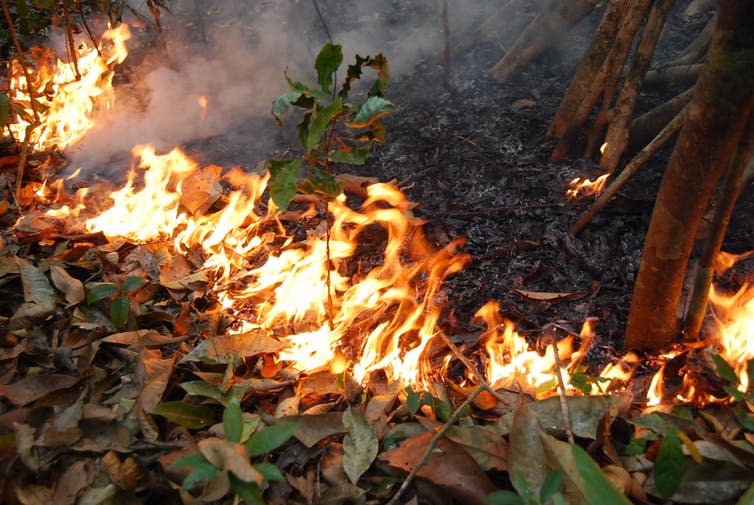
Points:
(66, 101)
(581, 186)
(734, 315)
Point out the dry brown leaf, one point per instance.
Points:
(24, 439)
(548, 296)
(126, 475)
(72, 288)
(32, 388)
(201, 188)
(230, 456)
(522, 103)
(156, 373)
(222, 347)
(448, 466)
(74, 479)
(34, 494)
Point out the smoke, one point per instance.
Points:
(226, 62)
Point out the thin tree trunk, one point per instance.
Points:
(735, 177)
(645, 127)
(588, 68)
(722, 103)
(616, 138)
(695, 51)
(554, 20)
(604, 84)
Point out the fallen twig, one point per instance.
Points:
(431, 445)
(562, 394)
(630, 169)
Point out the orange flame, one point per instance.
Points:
(66, 101)
(581, 186)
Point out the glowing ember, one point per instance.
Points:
(581, 186)
(65, 101)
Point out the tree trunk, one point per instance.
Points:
(722, 102)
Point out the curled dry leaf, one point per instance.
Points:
(72, 288)
(69, 485)
(32, 388)
(619, 477)
(230, 456)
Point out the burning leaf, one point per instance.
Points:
(220, 348)
(72, 288)
(191, 415)
(360, 445)
(448, 466)
(31, 388)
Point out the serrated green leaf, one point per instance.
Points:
(270, 438)
(269, 471)
(119, 310)
(131, 283)
(360, 445)
(503, 497)
(248, 491)
(97, 291)
(356, 156)
(186, 414)
(724, 370)
(552, 484)
(327, 63)
(233, 421)
(374, 108)
(321, 184)
(283, 178)
(4, 111)
(597, 487)
(670, 465)
(378, 63)
(322, 119)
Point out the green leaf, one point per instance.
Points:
(269, 471)
(581, 381)
(360, 445)
(327, 63)
(131, 283)
(670, 465)
(356, 156)
(636, 446)
(724, 370)
(201, 388)
(443, 410)
(504, 498)
(597, 487)
(282, 103)
(203, 470)
(270, 438)
(321, 184)
(248, 491)
(186, 414)
(374, 108)
(4, 111)
(284, 174)
(99, 291)
(119, 310)
(321, 122)
(552, 484)
(378, 63)
(413, 400)
(233, 421)
(745, 418)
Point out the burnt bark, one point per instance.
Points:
(722, 103)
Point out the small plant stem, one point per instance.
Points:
(670, 129)
(562, 393)
(21, 59)
(473, 369)
(88, 30)
(732, 186)
(21, 165)
(69, 39)
(433, 442)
